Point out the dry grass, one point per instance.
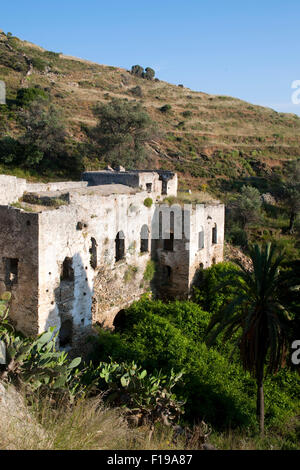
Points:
(89, 425)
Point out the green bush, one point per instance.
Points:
(137, 70)
(11, 151)
(39, 64)
(208, 294)
(187, 114)
(148, 397)
(237, 236)
(215, 387)
(26, 95)
(149, 271)
(149, 73)
(52, 55)
(166, 108)
(148, 202)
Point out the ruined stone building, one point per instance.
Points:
(76, 253)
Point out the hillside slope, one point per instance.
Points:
(205, 136)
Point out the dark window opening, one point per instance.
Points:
(201, 240)
(164, 187)
(149, 187)
(65, 333)
(214, 261)
(93, 253)
(120, 321)
(120, 246)
(160, 225)
(214, 234)
(144, 239)
(67, 272)
(11, 272)
(169, 243)
(166, 275)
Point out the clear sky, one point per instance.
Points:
(248, 49)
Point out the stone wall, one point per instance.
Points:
(11, 189)
(206, 217)
(60, 186)
(71, 232)
(82, 262)
(150, 181)
(19, 266)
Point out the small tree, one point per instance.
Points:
(45, 133)
(122, 132)
(246, 206)
(149, 73)
(137, 70)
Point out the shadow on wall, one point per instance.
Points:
(73, 300)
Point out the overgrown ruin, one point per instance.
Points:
(76, 253)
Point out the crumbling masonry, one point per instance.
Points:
(76, 253)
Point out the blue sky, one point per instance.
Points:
(247, 49)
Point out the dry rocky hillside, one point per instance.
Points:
(205, 136)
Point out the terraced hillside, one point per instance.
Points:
(205, 137)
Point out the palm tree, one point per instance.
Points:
(258, 314)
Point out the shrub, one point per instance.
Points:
(208, 293)
(130, 273)
(137, 70)
(52, 55)
(26, 95)
(11, 151)
(137, 91)
(149, 73)
(187, 114)
(148, 202)
(39, 64)
(237, 236)
(149, 271)
(216, 389)
(122, 132)
(147, 397)
(166, 108)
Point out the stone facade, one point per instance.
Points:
(76, 253)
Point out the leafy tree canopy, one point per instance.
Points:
(122, 132)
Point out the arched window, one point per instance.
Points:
(214, 234)
(120, 246)
(201, 239)
(93, 253)
(144, 239)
